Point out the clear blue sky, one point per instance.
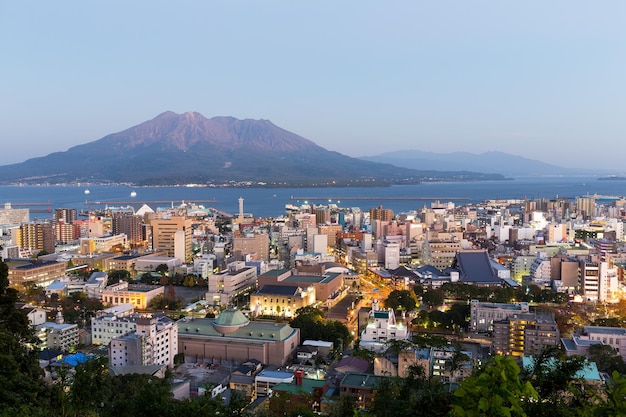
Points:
(541, 79)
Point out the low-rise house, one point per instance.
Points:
(301, 392)
(360, 385)
(267, 379)
(400, 364)
(350, 364)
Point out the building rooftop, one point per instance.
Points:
(363, 380)
(230, 320)
(31, 265)
(474, 266)
(265, 373)
(616, 331)
(502, 306)
(307, 386)
(314, 279)
(589, 372)
(126, 257)
(275, 272)
(291, 290)
(142, 288)
(254, 331)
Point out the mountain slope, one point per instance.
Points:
(183, 148)
(489, 162)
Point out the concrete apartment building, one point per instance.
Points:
(483, 314)
(154, 342)
(237, 279)
(129, 225)
(597, 281)
(173, 236)
(58, 335)
(66, 215)
(64, 232)
(258, 243)
(112, 322)
(525, 334)
(36, 237)
(440, 253)
(380, 213)
(13, 216)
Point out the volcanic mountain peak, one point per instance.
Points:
(170, 130)
(189, 148)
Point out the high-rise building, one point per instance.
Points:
(164, 235)
(130, 225)
(9, 215)
(64, 232)
(258, 243)
(67, 215)
(154, 342)
(586, 206)
(379, 213)
(322, 215)
(37, 237)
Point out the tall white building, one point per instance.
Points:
(392, 255)
(320, 244)
(381, 327)
(154, 342)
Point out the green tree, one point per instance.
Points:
(412, 396)
(343, 406)
(614, 405)
(162, 269)
(21, 387)
(433, 298)
(91, 387)
(606, 358)
(400, 299)
(559, 387)
(143, 395)
(119, 275)
(312, 325)
(497, 390)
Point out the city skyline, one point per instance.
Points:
(536, 80)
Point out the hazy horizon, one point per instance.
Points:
(534, 79)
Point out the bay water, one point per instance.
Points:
(270, 202)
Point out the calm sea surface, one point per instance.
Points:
(270, 202)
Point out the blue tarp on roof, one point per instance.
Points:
(76, 359)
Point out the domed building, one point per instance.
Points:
(229, 321)
(231, 336)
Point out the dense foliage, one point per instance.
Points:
(312, 326)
